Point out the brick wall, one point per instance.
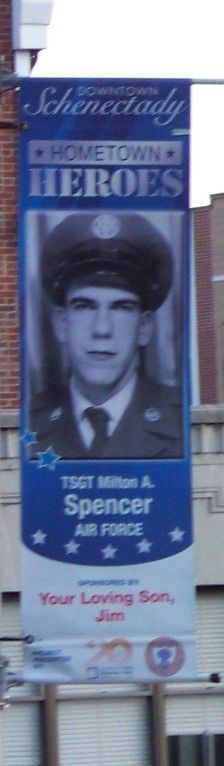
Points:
(9, 379)
(205, 306)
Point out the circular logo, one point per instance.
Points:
(164, 656)
(106, 226)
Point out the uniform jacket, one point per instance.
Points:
(151, 427)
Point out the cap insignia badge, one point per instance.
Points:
(106, 226)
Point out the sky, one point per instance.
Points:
(94, 38)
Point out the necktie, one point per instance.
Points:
(99, 418)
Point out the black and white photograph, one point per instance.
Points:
(104, 319)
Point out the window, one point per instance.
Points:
(196, 750)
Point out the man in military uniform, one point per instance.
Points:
(105, 274)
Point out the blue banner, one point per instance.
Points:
(104, 278)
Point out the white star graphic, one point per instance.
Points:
(144, 546)
(108, 552)
(48, 459)
(39, 537)
(176, 535)
(71, 547)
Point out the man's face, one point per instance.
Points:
(103, 329)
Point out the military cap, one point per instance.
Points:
(107, 248)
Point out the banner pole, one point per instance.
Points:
(160, 751)
(50, 726)
(208, 82)
(1, 700)
(2, 704)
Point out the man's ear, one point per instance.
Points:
(59, 322)
(145, 328)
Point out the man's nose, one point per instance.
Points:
(102, 324)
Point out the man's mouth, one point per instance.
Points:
(101, 355)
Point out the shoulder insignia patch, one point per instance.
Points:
(152, 415)
(55, 414)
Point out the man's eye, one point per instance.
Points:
(125, 306)
(80, 305)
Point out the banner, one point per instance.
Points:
(107, 584)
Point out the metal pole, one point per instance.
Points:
(1, 734)
(50, 726)
(1, 620)
(207, 82)
(160, 751)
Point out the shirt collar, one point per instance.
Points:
(115, 406)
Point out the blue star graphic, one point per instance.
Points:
(29, 437)
(48, 459)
